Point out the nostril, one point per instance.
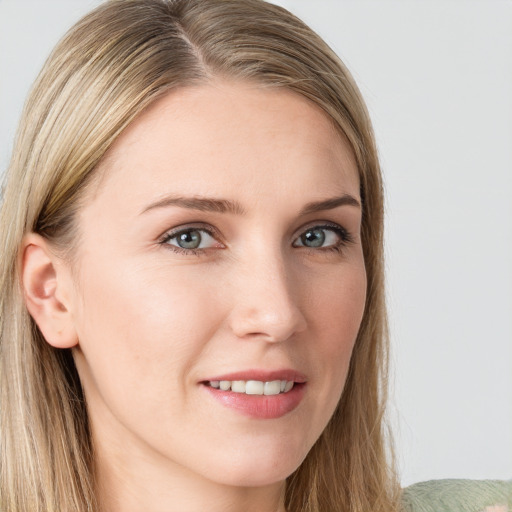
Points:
(271, 326)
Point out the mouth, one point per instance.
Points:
(253, 387)
(258, 394)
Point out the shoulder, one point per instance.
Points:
(458, 496)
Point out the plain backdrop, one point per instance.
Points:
(437, 77)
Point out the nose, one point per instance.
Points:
(266, 302)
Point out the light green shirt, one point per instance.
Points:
(459, 496)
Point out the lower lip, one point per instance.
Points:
(260, 406)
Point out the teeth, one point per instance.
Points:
(238, 386)
(224, 385)
(253, 387)
(272, 388)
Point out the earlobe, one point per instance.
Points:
(43, 282)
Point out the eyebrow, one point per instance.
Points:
(208, 204)
(204, 204)
(329, 204)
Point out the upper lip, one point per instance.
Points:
(262, 375)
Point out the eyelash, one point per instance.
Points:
(345, 239)
(180, 250)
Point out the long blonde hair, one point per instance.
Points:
(111, 66)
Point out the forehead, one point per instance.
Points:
(231, 137)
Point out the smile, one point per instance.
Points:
(258, 394)
(253, 387)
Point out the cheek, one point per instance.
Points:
(336, 315)
(138, 327)
(338, 307)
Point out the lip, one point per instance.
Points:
(263, 407)
(262, 375)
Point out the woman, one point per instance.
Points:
(193, 311)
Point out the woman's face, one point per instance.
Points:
(220, 242)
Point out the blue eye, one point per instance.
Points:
(195, 240)
(322, 237)
(191, 239)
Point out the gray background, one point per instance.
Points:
(437, 77)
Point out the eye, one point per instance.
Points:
(191, 239)
(323, 237)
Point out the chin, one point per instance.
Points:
(258, 467)
(255, 477)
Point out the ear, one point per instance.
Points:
(45, 281)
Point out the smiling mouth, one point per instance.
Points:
(275, 395)
(252, 387)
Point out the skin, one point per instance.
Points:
(148, 325)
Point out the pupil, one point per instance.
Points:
(314, 238)
(189, 240)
